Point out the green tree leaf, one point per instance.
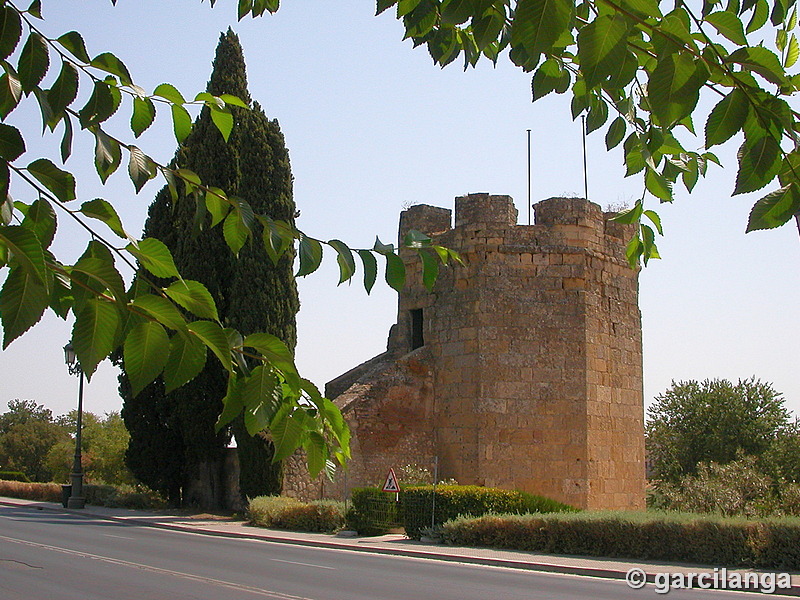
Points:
(602, 47)
(146, 351)
(34, 61)
(774, 209)
(792, 53)
(759, 60)
(140, 168)
(162, 310)
(287, 432)
(273, 350)
(430, 268)
(107, 154)
(41, 219)
(395, 272)
(23, 300)
(456, 12)
(144, 113)
(223, 119)
(10, 93)
(10, 31)
(73, 43)
(674, 88)
(26, 249)
(169, 92)
(217, 204)
(94, 333)
(111, 64)
(235, 231)
(155, 257)
(233, 100)
(615, 133)
(187, 357)
(65, 88)
(728, 25)
(213, 336)
(12, 146)
(538, 24)
(103, 210)
(181, 122)
(726, 118)
(66, 141)
(261, 395)
(760, 16)
(546, 78)
(194, 297)
(310, 256)
(345, 260)
(759, 163)
(61, 183)
(658, 185)
(100, 106)
(370, 269)
(316, 452)
(102, 271)
(232, 403)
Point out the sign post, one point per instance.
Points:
(391, 484)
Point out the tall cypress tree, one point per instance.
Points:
(251, 293)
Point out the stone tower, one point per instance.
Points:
(522, 368)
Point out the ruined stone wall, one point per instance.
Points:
(529, 373)
(389, 412)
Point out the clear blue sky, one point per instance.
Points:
(372, 126)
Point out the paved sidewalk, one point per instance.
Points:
(392, 544)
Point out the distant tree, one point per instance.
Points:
(782, 459)
(22, 411)
(251, 293)
(104, 442)
(712, 421)
(27, 434)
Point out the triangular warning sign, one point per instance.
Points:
(391, 484)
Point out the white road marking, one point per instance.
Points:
(115, 561)
(302, 564)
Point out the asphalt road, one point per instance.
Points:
(51, 556)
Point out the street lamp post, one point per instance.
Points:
(76, 499)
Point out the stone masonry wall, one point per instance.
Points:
(536, 343)
(530, 375)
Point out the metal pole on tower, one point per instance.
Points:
(585, 170)
(529, 176)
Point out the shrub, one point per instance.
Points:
(422, 510)
(136, 497)
(283, 512)
(374, 512)
(14, 476)
(677, 537)
(126, 496)
(45, 492)
(736, 488)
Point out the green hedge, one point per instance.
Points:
(283, 512)
(374, 512)
(675, 537)
(14, 476)
(421, 509)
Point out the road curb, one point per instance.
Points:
(263, 535)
